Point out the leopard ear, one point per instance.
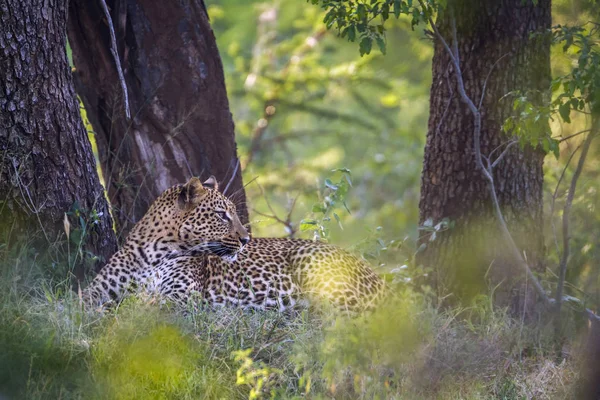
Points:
(192, 192)
(211, 183)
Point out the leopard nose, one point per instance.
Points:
(244, 240)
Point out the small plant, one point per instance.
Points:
(257, 375)
(78, 224)
(332, 198)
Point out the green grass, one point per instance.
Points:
(51, 349)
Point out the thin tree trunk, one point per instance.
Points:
(181, 124)
(494, 44)
(46, 167)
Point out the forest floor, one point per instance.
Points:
(50, 348)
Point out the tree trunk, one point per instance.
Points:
(181, 124)
(47, 167)
(494, 44)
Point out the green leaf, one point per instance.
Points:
(546, 146)
(307, 224)
(385, 11)
(565, 111)
(381, 44)
(348, 179)
(351, 33)
(346, 207)
(344, 170)
(330, 184)
(361, 11)
(397, 7)
(365, 45)
(337, 218)
(554, 147)
(556, 84)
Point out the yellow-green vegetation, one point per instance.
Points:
(408, 349)
(305, 104)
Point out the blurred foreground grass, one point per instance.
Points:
(50, 349)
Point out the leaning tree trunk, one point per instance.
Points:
(181, 124)
(47, 167)
(495, 46)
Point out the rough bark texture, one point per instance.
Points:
(181, 124)
(493, 38)
(589, 383)
(47, 164)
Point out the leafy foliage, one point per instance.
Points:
(364, 20)
(304, 103)
(576, 91)
(332, 198)
(579, 89)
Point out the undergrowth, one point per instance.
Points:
(51, 349)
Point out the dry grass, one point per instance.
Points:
(49, 348)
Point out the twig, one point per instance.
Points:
(450, 98)
(487, 78)
(24, 189)
(573, 135)
(113, 50)
(566, 212)
(503, 154)
(505, 143)
(555, 194)
(287, 223)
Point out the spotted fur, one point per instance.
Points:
(186, 220)
(191, 244)
(278, 273)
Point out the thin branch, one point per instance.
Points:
(555, 194)
(505, 143)
(487, 78)
(113, 50)
(573, 135)
(454, 36)
(511, 144)
(287, 222)
(450, 98)
(567, 211)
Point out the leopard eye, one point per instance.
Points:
(223, 215)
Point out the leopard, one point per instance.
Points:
(281, 274)
(185, 220)
(191, 249)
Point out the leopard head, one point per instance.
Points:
(209, 220)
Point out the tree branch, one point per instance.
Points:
(113, 50)
(573, 135)
(511, 144)
(287, 222)
(555, 194)
(567, 211)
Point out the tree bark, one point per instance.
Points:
(181, 124)
(494, 44)
(47, 167)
